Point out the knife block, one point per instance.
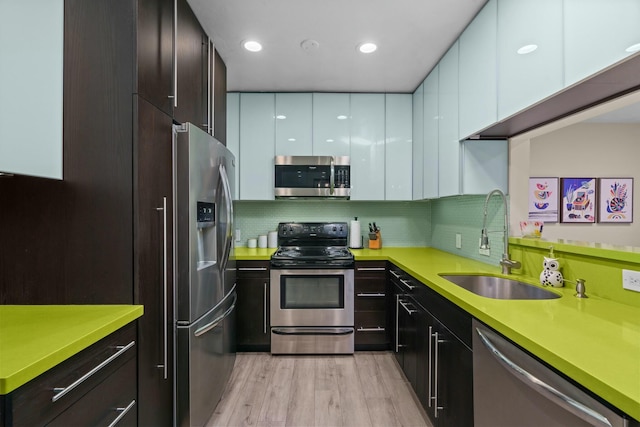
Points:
(375, 243)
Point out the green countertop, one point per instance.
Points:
(35, 338)
(594, 341)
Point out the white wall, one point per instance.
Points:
(587, 150)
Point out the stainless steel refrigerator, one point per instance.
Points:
(205, 295)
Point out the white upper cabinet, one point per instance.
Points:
(485, 166)
(293, 124)
(257, 145)
(31, 87)
(597, 35)
(367, 147)
(478, 68)
(398, 147)
(431, 120)
(526, 78)
(448, 142)
(233, 135)
(418, 141)
(331, 124)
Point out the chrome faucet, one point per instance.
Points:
(506, 263)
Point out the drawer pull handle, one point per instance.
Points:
(375, 294)
(376, 329)
(396, 275)
(371, 269)
(123, 412)
(252, 268)
(59, 392)
(407, 284)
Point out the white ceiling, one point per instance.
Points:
(411, 35)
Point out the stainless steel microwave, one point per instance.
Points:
(312, 176)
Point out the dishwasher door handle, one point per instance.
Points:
(561, 399)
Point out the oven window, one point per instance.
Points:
(311, 292)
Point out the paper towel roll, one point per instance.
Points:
(272, 239)
(355, 237)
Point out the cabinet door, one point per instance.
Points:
(478, 68)
(485, 166)
(331, 124)
(155, 53)
(367, 148)
(408, 315)
(31, 37)
(191, 69)
(525, 79)
(453, 380)
(293, 124)
(430, 136)
(218, 104)
(252, 308)
(233, 135)
(418, 141)
(597, 35)
(153, 267)
(398, 147)
(448, 141)
(257, 146)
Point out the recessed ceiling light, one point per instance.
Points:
(341, 117)
(367, 47)
(329, 140)
(309, 45)
(527, 49)
(281, 117)
(252, 46)
(633, 48)
(291, 139)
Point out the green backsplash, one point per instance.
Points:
(401, 223)
(463, 215)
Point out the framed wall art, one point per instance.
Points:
(615, 197)
(543, 199)
(578, 200)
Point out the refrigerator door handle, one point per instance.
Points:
(215, 322)
(165, 283)
(229, 207)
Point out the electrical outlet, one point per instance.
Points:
(631, 280)
(458, 241)
(238, 235)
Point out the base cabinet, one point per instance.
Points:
(370, 314)
(432, 344)
(99, 388)
(253, 328)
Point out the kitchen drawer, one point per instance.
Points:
(252, 269)
(374, 300)
(370, 269)
(32, 404)
(111, 400)
(371, 330)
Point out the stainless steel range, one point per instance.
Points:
(312, 290)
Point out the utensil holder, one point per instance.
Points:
(375, 240)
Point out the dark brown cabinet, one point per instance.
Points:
(155, 53)
(95, 387)
(192, 69)
(370, 314)
(153, 268)
(253, 329)
(432, 344)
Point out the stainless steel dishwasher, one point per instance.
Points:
(511, 388)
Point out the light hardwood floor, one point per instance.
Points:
(366, 389)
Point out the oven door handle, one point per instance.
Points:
(312, 331)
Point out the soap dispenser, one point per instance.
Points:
(550, 275)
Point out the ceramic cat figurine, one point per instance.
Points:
(550, 276)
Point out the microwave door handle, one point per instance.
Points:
(332, 179)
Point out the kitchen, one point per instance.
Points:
(402, 222)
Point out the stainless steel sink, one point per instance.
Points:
(498, 287)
